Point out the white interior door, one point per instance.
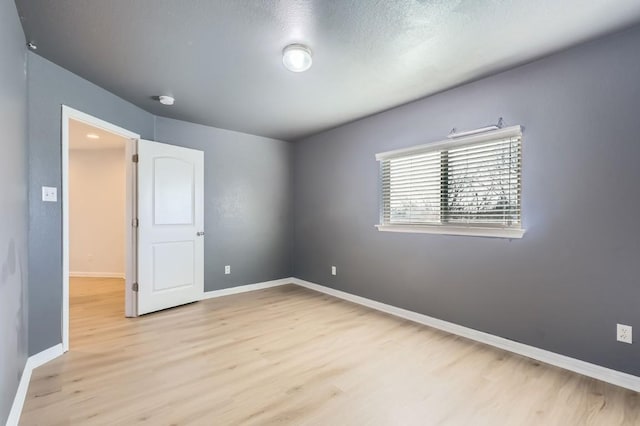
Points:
(171, 226)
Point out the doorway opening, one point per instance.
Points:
(99, 238)
(164, 219)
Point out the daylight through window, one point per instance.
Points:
(469, 185)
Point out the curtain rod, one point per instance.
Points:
(453, 134)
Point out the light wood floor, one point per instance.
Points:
(288, 355)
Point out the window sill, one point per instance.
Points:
(454, 230)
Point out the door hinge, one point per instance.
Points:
(134, 158)
(135, 223)
(134, 287)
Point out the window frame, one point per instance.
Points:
(448, 228)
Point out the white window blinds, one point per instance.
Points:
(471, 182)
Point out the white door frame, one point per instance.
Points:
(130, 237)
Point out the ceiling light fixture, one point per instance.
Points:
(166, 100)
(297, 57)
(93, 136)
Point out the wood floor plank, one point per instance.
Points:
(289, 355)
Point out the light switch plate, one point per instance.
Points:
(50, 194)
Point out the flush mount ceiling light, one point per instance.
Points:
(297, 57)
(166, 100)
(92, 136)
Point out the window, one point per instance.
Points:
(465, 186)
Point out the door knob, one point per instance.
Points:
(200, 233)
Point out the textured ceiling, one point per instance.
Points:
(221, 60)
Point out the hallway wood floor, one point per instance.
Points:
(289, 355)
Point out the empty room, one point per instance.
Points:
(309, 212)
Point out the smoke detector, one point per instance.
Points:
(166, 100)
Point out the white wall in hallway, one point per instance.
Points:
(97, 212)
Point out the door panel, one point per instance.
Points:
(173, 191)
(170, 212)
(173, 265)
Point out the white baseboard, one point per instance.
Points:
(608, 375)
(595, 371)
(80, 274)
(33, 362)
(247, 287)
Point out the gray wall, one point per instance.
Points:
(50, 87)
(247, 187)
(13, 205)
(247, 207)
(563, 287)
(573, 276)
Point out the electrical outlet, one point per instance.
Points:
(227, 269)
(625, 333)
(334, 271)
